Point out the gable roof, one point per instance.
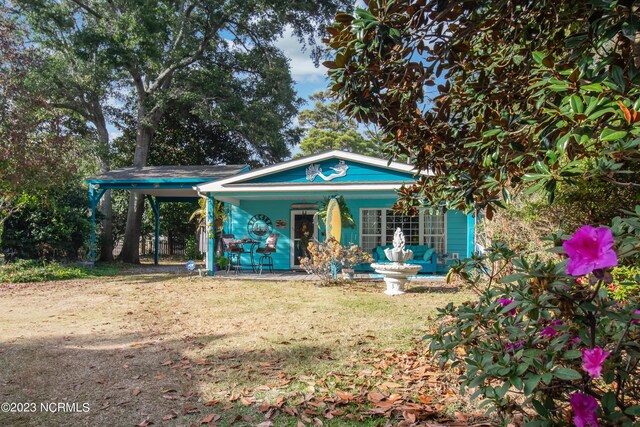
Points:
(240, 180)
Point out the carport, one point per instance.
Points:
(158, 184)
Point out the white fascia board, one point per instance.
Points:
(268, 170)
(230, 200)
(216, 188)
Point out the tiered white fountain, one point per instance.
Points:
(396, 272)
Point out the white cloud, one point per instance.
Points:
(302, 68)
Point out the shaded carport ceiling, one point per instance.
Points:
(163, 181)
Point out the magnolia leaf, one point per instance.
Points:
(609, 134)
(593, 87)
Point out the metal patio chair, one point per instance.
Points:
(234, 250)
(266, 260)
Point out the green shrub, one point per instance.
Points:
(626, 283)
(524, 345)
(51, 226)
(191, 249)
(23, 271)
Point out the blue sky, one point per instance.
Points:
(308, 78)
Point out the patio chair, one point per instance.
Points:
(269, 248)
(234, 250)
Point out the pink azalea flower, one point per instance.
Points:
(590, 249)
(585, 410)
(592, 361)
(548, 332)
(505, 302)
(636, 313)
(515, 345)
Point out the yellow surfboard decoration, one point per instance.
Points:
(334, 221)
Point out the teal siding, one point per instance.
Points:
(357, 172)
(274, 209)
(471, 235)
(458, 226)
(456, 233)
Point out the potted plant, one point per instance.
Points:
(221, 263)
(200, 215)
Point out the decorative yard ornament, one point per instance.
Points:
(315, 170)
(398, 253)
(334, 220)
(396, 272)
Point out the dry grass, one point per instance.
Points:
(140, 346)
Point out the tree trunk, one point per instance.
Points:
(106, 207)
(106, 235)
(148, 119)
(131, 246)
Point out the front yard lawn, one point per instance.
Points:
(173, 350)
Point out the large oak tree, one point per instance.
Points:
(219, 55)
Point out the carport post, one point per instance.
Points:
(155, 206)
(211, 236)
(94, 199)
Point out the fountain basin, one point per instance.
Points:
(395, 275)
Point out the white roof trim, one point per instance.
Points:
(268, 170)
(216, 188)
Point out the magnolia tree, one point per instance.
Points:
(497, 97)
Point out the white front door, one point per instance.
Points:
(304, 229)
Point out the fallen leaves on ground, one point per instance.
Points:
(403, 388)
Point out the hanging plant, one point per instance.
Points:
(345, 214)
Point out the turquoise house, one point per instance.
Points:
(284, 198)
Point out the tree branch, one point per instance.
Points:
(137, 80)
(188, 60)
(88, 9)
(79, 108)
(180, 36)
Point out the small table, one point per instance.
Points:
(253, 243)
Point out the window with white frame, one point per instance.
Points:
(435, 230)
(371, 228)
(428, 228)
(410, 226)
